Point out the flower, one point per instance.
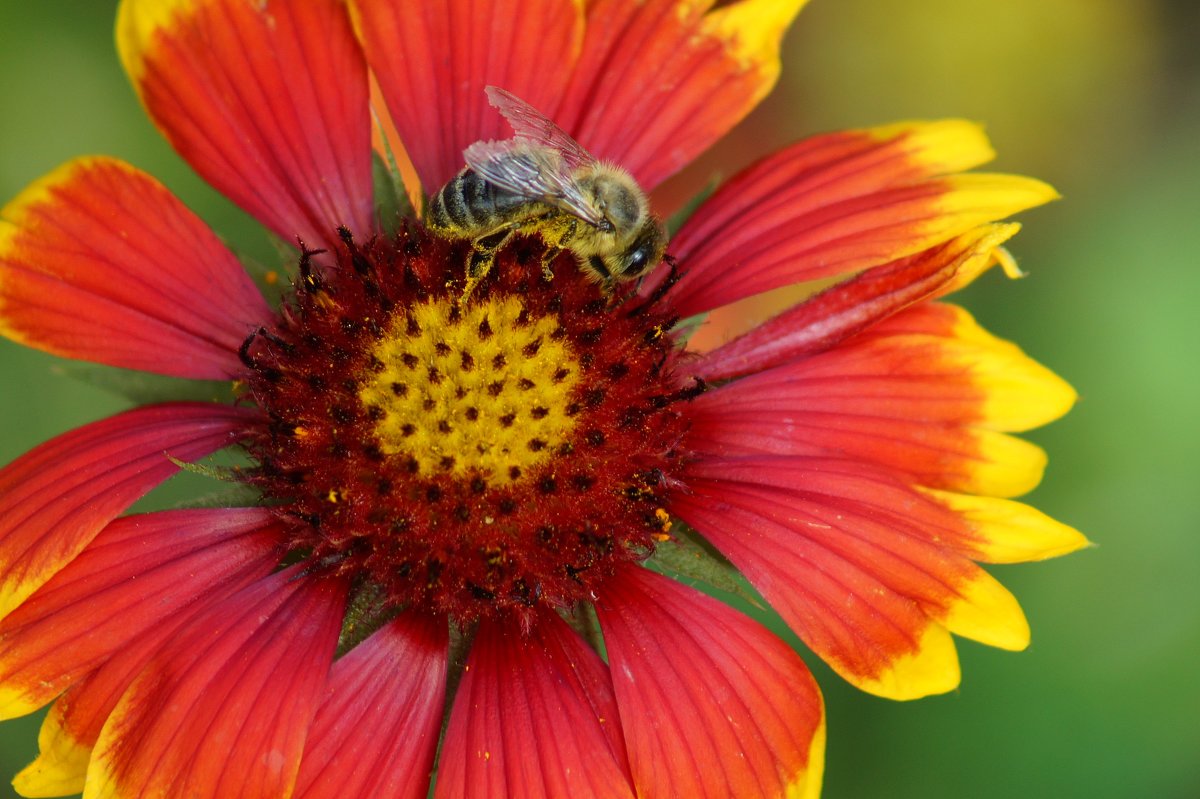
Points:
(513, 479)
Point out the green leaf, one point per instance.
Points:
(144, 388)
(693, 561)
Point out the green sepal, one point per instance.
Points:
(391, 199)
(583, 620)
(223, 474)
(365, 614)
(274, 276)
(461, 640)
(228, 495)
(685, 329)
(145, 388)
(675, 221)
(692, 561)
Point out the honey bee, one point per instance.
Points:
(542, 181)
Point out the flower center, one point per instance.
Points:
(473, 458)
(456, 397)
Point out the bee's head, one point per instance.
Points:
(616, 195)
(642, 254)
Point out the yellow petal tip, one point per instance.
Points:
(1020, 393)
(932, 668)
(807, 785)
(1012, 532)
(943, 145)
(14, 703)
(61, 767)
(988, 613)
(1008, 264)
(39, 779)
(1007, 466)
(984, 197)
(138, 22)
(753, 29)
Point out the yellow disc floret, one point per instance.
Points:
(481, 389)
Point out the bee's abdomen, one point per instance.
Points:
(468, 203)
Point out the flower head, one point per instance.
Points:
(479, 471)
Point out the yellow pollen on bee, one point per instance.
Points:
(472, 389)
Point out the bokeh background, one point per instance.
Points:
(1099, 97)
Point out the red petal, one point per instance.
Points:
(268, 102)
(135, 573)
(73, 725)
(712, 703)
(533, 717)
(921, 394)
(853, 306)
(222, 712)
(74, 722)
(433, 61)
(840, 203)
(102, 263)
(55, 498)
(376, 732)
(660, 81)
(854, 562)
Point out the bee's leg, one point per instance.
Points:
(483, 255)
(548, 258)
(478, 266)
(557, 246)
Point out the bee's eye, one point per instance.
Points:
(637, 260)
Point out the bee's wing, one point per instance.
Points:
(533, 172)
(535, 127)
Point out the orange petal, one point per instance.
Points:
(73, 725)
(840, 203)
(855, 563)
(534, 717)
(712, 703)
(134, 573)
(658, 82)
(57, 497)
(376, 731)
(267, 101)
(853, 306)
(921, 394)
(224, 708)
(98, 261)
(1004, 531)
(1017, 392)
(433, 61)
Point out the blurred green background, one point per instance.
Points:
(1099, 97)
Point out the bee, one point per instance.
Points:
(542, 181)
